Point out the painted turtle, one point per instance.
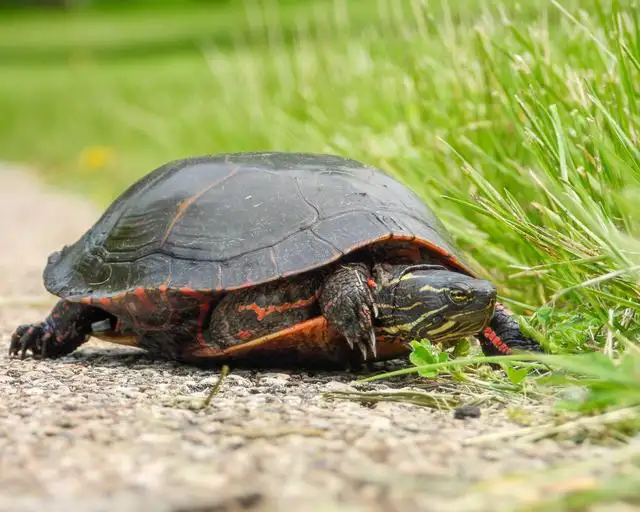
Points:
(268, 258)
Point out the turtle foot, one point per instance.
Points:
(31, 337)
(360, 334)
(503, 335)
(347, 303)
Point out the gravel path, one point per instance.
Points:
(106, 428)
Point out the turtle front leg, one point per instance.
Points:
(66, 328)
(503, 335)
(347, 303)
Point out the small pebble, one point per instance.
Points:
(466, 411)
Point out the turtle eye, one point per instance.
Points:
(436, 320)
(458, 296)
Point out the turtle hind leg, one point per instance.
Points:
(66, 328)
(347, 303)
(243, 316)
(503, 335)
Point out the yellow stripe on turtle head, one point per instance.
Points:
(443, 328)
(429, 288)
(408, 327)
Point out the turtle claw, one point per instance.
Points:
(365, 346)
(354, 342)
(372, 343)
(358, 332)
(351, 342)
(363, 350)
(33, 337)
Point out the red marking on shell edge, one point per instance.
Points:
(452, 260)
(105, 301)
(139, 292)
(495, 340)
(424, 243)
(243, 335)
(190, 292)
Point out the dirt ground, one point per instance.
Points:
(107, 428)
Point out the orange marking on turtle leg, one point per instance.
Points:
(184, 205)
(262, 312)
(495, 340)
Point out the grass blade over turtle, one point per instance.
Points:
(269, 259)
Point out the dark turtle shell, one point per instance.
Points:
(235, 220)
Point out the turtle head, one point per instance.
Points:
(434, 303)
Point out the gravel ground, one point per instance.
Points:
(107, 428)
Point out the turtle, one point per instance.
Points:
(268, 259)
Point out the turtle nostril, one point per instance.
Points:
(489, 290)
(54, 258)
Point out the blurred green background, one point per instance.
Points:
(116, 88)
(95, 93)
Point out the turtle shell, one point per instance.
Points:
(235, 220)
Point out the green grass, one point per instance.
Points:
(518, 122)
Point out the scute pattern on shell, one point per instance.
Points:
(228, 221)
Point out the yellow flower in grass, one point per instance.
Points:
(94, 158)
